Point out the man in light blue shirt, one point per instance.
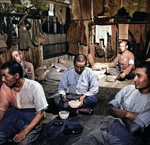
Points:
(129, 114)
(78, 81)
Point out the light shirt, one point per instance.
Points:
(130, 99)
(30, 96)
(84, 83)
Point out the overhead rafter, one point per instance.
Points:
(58, 3)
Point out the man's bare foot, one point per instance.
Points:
(86, 110)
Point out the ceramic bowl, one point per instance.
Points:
(74, 103)
(63, 114)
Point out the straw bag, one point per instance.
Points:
(37, 38)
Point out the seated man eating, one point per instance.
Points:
(78, 81)
(22, 105)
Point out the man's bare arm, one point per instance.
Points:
(121, 113)
(2, 112)
(20, 136)
(128, 69)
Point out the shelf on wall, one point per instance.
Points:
(22, 14)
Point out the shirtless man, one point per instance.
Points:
(123, 64)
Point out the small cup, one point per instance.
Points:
(63, 114)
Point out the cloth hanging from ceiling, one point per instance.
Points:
(83, 39)
(80, 9)
(101, 33)
(73, 37)
(60, 12)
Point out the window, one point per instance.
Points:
(56, 44)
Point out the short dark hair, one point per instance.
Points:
(124, 40)
(146, 65)
(58, 59)
(80, 58)
(14, 67)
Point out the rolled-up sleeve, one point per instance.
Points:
(39, 98)
(118, 98)
(143, 118)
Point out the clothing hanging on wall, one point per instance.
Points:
(101, 33)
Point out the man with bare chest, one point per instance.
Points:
(123, 64)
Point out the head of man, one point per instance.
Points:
(80, 63)
(11, 72)
(16, 56)
(62, 61)
(123, 46)
(142, 77)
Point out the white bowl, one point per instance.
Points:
(74, 103)
(64, 114)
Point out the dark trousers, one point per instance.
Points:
(14, 121)
(89, 102)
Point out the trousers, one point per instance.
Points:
(89, 102)
(14, 121)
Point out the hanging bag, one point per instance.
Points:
(3, 37)
(110, 52)
(99, 51)
(25, 39)
(37, 38)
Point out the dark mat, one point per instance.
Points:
(52, 133)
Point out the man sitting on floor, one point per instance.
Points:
(128, 115)
(123, 64)
(78, 81)
(28, 69)
(22, 104)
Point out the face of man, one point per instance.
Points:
(8, 79)
(16, 56)
(62, 61)
(141, 80)
(79, 67)
(122, 47)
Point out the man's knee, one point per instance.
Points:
(90, 102)
(32, 136)
(94, 99)
(24, 142)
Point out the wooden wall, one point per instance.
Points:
(33, 55)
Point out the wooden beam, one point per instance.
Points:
(58, 3)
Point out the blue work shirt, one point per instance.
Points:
(84, 83)
(131, 99)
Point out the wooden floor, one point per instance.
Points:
(117, 84)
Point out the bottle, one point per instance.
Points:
(105, 50)
(110, 52)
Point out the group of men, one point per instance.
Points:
(22, 100)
